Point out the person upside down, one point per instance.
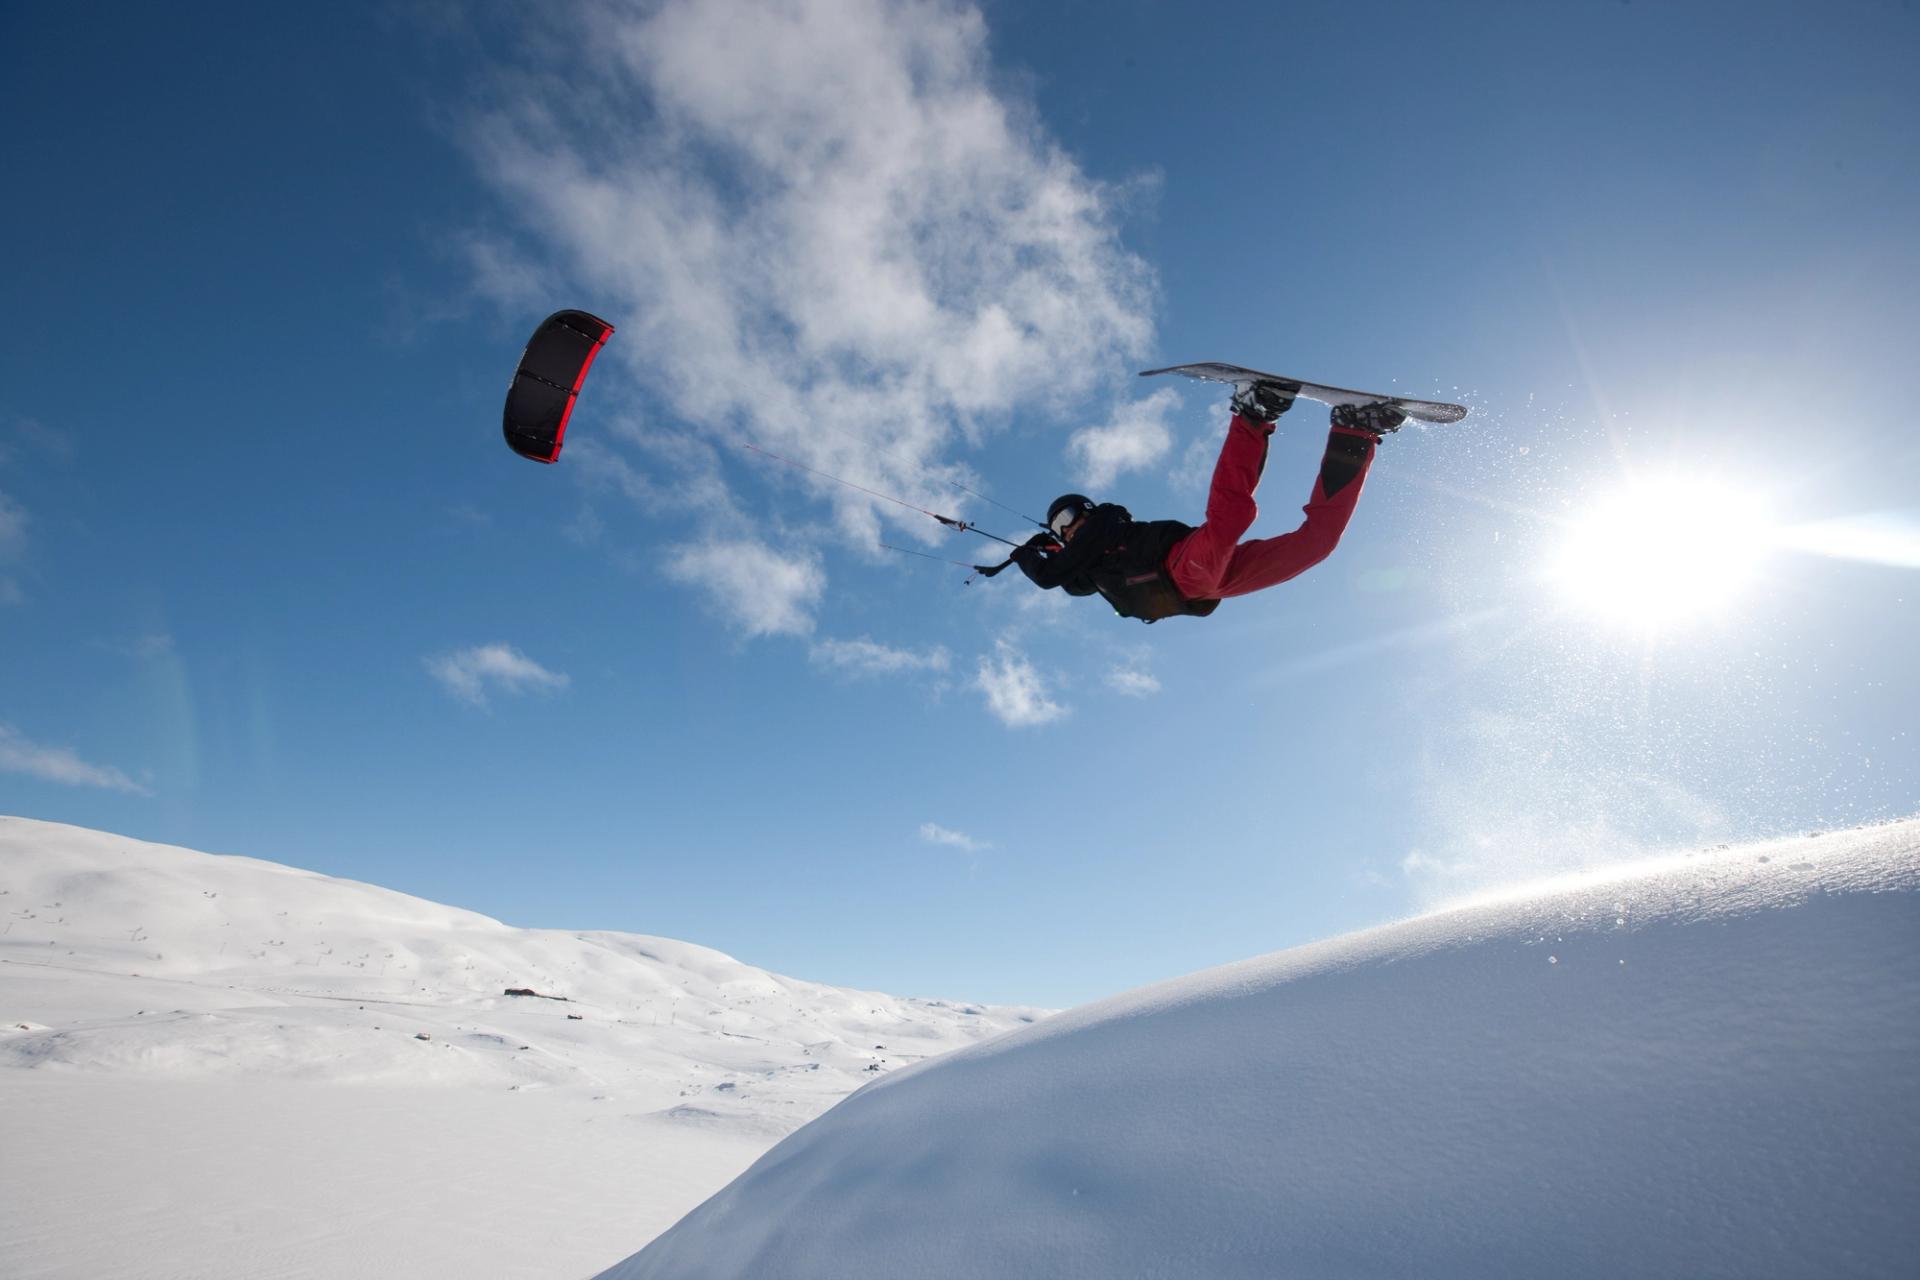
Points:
(1154, 569)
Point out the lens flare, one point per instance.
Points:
(1890, 538)
(1662, 553)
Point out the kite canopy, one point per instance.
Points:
(540, 399)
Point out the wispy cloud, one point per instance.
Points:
(1014, 689)
(1132, 682)
(13, 543)
(864, 657)
(934, 833)
(59, 764)
(13, 527)
(143, 646)
(503, 275)
(23, 440)
(1193, 471)
(1135, 437)
(866, 263)
(48, 441)
(661, 471)
(470, 674)
(26, 437)
(761, 590)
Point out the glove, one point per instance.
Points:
(1034, 546)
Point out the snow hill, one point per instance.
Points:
(1701, 1066)
(217, 1066)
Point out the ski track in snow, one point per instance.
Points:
(219, 1066)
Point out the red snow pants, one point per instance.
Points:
(1212, 563)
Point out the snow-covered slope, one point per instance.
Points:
(233, 966)
(1703, 1066)
(220, 1019)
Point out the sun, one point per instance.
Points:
(1662, 553)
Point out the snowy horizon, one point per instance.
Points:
(174, 1026)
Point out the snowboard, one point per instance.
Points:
(1210, 371)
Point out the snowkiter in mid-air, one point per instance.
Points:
(1153, 569)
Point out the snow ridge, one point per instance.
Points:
(1698, 1066)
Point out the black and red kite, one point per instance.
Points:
(540, 399)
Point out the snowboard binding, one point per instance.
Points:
(1374, 419)
(1264, 401)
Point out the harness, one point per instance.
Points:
(1133, 576)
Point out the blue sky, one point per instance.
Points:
(269, 270)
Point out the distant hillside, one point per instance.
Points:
(122, 956)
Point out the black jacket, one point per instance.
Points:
(1123, 559)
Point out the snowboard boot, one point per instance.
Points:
(1263, 402)
(1372, 419)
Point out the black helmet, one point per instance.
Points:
(1067, 508)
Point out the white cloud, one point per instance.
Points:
(864, 657)
(756, 587)
(818, 227)
(1135, 438)
(1132, 682)
(934, 833)
(470, 673)
(1014, 689)
(58, 764)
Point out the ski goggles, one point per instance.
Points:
(1064, 518)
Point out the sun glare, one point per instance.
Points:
(1662, 553)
